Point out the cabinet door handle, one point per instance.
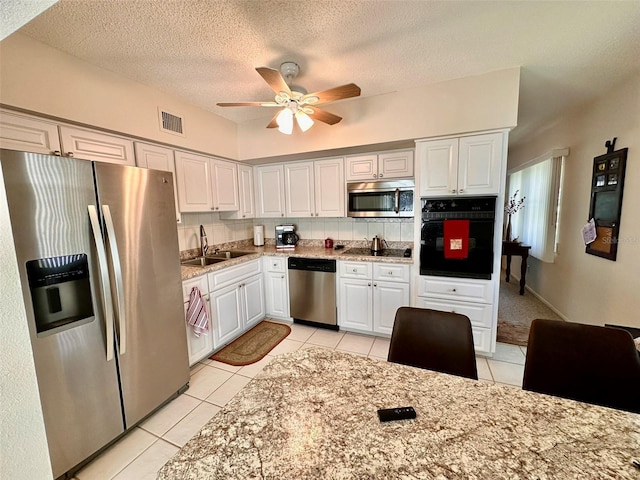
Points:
(375, 176)
(213, 208)
(390, 273)
(368, 284)
(57, 153)
(69, 154)
(453, 290)
(355, 270)
(453, 191)
(380, 176)
(375, 284)
(461, 190)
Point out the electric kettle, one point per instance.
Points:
(376, 245)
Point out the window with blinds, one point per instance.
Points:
(540, 181)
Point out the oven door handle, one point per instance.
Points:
(397, 206)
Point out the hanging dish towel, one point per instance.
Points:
(456, 239)
(197, 315)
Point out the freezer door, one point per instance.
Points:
(48, 198)
(138, 212)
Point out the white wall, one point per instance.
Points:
(585, 288)
(41, 79)
(36, 77)
(23, 444)
(469, 104)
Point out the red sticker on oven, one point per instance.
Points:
(456, 239)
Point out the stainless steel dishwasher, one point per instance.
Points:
(312, 291)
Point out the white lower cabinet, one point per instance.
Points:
(370, 294)
(237, 300)
(276, 287)
(470, 297)
(226, 308)
(202, 346)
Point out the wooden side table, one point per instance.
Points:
(519, 250)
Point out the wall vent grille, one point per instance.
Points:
(170, 123)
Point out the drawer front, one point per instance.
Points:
(391, 272)
(275, 264)
(479, 314)
(200, 282)
(468, 290)
(355, 269)
(231, 275)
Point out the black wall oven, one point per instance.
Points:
(457, 237)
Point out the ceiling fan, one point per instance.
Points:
(295, 101)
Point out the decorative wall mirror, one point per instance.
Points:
(607, 185)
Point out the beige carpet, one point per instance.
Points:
(253, 345)
(516, 312)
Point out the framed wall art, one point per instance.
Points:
(607, 186)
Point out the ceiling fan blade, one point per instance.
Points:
(274, 79)
(338, 93)
(249, 104)
(274, 121)
(323, 116)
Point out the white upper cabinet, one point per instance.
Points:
(395, 164)
(480, 159)
(224, 185)
(299, 189)
(98, 146)
(269, 188)
(461, 166)
(245, 195)
(194, 184)
(206, 183)
(315, 189)
(27, 134)
(158, 158)
(31, 134)
(330, 188)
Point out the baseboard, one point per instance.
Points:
(541, 298)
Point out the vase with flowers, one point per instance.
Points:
(512, 206)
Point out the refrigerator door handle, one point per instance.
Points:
(107, 303)
(117, 270)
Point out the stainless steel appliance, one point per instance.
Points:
(312, 291)
(380, 199)
(286, 236)
(97, 251)
(479, 212)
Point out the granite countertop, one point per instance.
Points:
(299, 251)
(311, 414)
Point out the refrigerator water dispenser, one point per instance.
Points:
(60, 291)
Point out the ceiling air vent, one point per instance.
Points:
(170, 123)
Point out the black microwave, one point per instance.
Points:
(392, 199)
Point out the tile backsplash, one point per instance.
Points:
(343, 229)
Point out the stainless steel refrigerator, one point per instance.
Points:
(97, 251)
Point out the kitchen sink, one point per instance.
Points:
(226, 254)
(201, 261)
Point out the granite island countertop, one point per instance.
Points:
(299, 251)
(311, 414)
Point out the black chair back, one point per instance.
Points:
(589, 363)
(440, 341)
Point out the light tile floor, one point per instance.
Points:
(143, 451)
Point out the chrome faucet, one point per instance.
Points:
(204, 245)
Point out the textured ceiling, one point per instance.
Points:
(206, 51)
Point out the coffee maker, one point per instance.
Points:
(286, 236)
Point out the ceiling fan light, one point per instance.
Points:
(305, 122)
(285, 121)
